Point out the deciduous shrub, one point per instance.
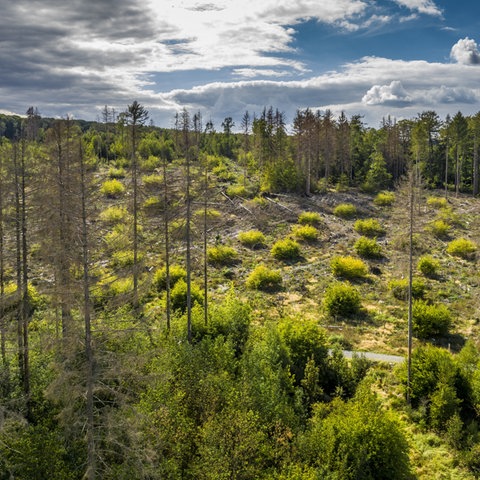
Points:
(430, 320)
(368, 248)
(160, 277)
(437, 202)
(309, 218)
(152, 181)
(178, 295)
(348, 267)
(286, 249)
(252, 238)
(342, 299)
(399, 288)
(116, 173)
(439, 228)
(113, 214)
(263, 278)
(307, 233)
(345, 210)
(384, 199)
(112, 188)
(428, 265)
(221, 255)
(462, 247)
(237, 191)
(369, 227)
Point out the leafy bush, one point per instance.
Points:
(286, 249)
(369, 227)
(150, 164)
(384, 199)
(124, 258)
(399, 288)
(437, 202)
(345, 210)
(112, 188)
(160, 277)
(308, 233)
(263, 278)
(252, 238)
(152, 181)
(178, 295)
(449, 216)
(113, 214)
(430, 320)
(212, 214)
(116, 173)
(428, 265)
(348, 267)
(368, 248)
(342, 299)
(462, 247)
(236, 191)
(221, 255)
(153, 204)
(439, 228)
(309, 218)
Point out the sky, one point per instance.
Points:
(372, 58)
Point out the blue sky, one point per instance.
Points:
(366, 57)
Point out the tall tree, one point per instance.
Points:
(459, 128)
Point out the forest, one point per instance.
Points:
(175, 303)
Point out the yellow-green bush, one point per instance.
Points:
(114, 214)
(437, 202)
(222, 255)
(286, 249)
(345, 210)
(178, 295)
(307, 233)
(428, 265)
(368, 248)
(309, 218)
(462, 247)
(430, 320)
(236, 191)
(348, 267)
(176, 273)
(152, 181)
(212, 214)
(399, 288)
(265, 279)
(342, 299)
(369, 227)
(384, 199)
(116, 173)
(439, 228)
(112, 188)
(124, 258)
(252, 239)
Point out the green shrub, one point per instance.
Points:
(449, 216)
(223, 173)
(369, 227)
(153, 204)
(178, 295)
(150, 164)
(263, 278)
(462, 247)
(368, 248)
(342, 299)
(307, 233)
(112, 188)
(309, 218)
(348, 267)
(430, 320)
(236, 191)
(439, 228)
(116, 173)
(152, 181)
(437, 202)
(286, 249)
(252, 239)
(114, 214)
(124, 258)
(428, 265)
(345, 210)
(221, 255)
(212, 214)
(121, 286)
(160, 277)
(384, 199)
(399, 288)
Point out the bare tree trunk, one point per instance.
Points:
(475, 165)
(205, 244)
(166, 221)
(410, 282)
(446, 170)
(2, 272)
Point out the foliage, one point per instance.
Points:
(116, 172)
(307, 233)
(430, 320)
(152, 181)
(252, 239)
(384, 199)
(345, 210)
(114, 214)
(342, 299)
(176, 273)
(399, 288)
(377, 177)
(123, 258)
(368, 248)
(428, 265)
(439, 228)
(211, 214)
(437, 202)
(462, 247)
(237, 191)
(309, 218)
(369, 227)
(178, 295)
(221, 255)
(348, 267)
(150, 164)
(263, 278)
(286, 250)
(112, 188)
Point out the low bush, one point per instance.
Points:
(286, 249)
(236, 191)
(428, 265)
(178, 295)
(124, 258)
(112, 188)
(309, 218)
(369, 227)
(114, 214)
(176, 273)
(449, 216)
(153, 204)
(342, 299)
(116, 173)
(265, 279)
(348, 267)
(399, 288)
(368, 248)
(150, 164)
(152, 181)
(307, 233)
(439, 228)
(345, 210)
(462, 247)
(437, 202)
(430, 320)
(384, 199)
(252, 239)
(221, 255)
(212, 214)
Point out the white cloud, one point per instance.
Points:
(427, 7)
(466, 51)
(393, 94)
